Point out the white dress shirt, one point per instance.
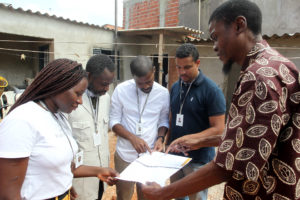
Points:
(124, 110)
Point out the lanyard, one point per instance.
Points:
(61, 126)
(181, 103)
(94, 112)
(138, 104)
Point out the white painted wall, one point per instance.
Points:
(70, 40)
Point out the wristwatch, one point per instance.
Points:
(162, 137)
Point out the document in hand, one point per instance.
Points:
(155, 167)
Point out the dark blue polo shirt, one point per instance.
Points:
(204, 99)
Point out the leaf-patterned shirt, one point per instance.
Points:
(261, 142)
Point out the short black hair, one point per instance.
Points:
(97, 63)
(141, 66)
(230, 10)
(186, 50)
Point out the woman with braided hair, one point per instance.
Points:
(38, 156)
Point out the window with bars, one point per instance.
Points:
(111, 54)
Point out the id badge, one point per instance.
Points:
(179, 120)
(97, 139)
(78, 159)
(139, 129)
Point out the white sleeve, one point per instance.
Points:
(164, 113)
(115, 113)
(17, 138)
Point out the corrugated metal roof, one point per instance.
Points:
(10, 7)
(176, 30)
(268, 37)
(111, 27)
(284, 36)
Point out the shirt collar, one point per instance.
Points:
(198, 79)
(254, 52)
(90, 93)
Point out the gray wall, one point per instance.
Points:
(12, 67)
(128, 52)
(70, 40)
(284, 12)
(189, 13)
(15, 72)
(289, 48)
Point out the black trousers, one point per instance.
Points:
(60, 197)
(101, 190)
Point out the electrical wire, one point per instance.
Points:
(124, 44)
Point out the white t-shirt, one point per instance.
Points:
(124, 110)
(31, 131)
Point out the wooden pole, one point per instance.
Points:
(160, 57)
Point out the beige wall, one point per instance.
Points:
(210, 65)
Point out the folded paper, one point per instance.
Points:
(155, 167)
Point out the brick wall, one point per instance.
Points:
(171, 16)
(146, 14)
(124, 14)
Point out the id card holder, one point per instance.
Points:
(97, 139)
(139, 129)
(78, 159)
(179, 120)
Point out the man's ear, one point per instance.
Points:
(198, 62)
(153, 69)
(240, 24)
(89, 76)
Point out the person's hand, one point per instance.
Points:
(158, 145)
(108, 175)
(151, 191)
(111, 181)
(183, 145)
(73, 193)
(140, 145)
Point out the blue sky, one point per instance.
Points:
(97, 12)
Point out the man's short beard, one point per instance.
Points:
(227, 67)
(96, 93)
(147, 91)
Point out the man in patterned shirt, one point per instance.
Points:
(259, 152)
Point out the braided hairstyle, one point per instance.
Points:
(56, 77)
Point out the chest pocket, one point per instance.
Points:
(82, 133)
(105, 124)
(105, 120)
(80, 125)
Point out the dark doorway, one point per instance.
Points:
(165, 69)
(43, 56)
(111, 54)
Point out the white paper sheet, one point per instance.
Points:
(156, 167)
